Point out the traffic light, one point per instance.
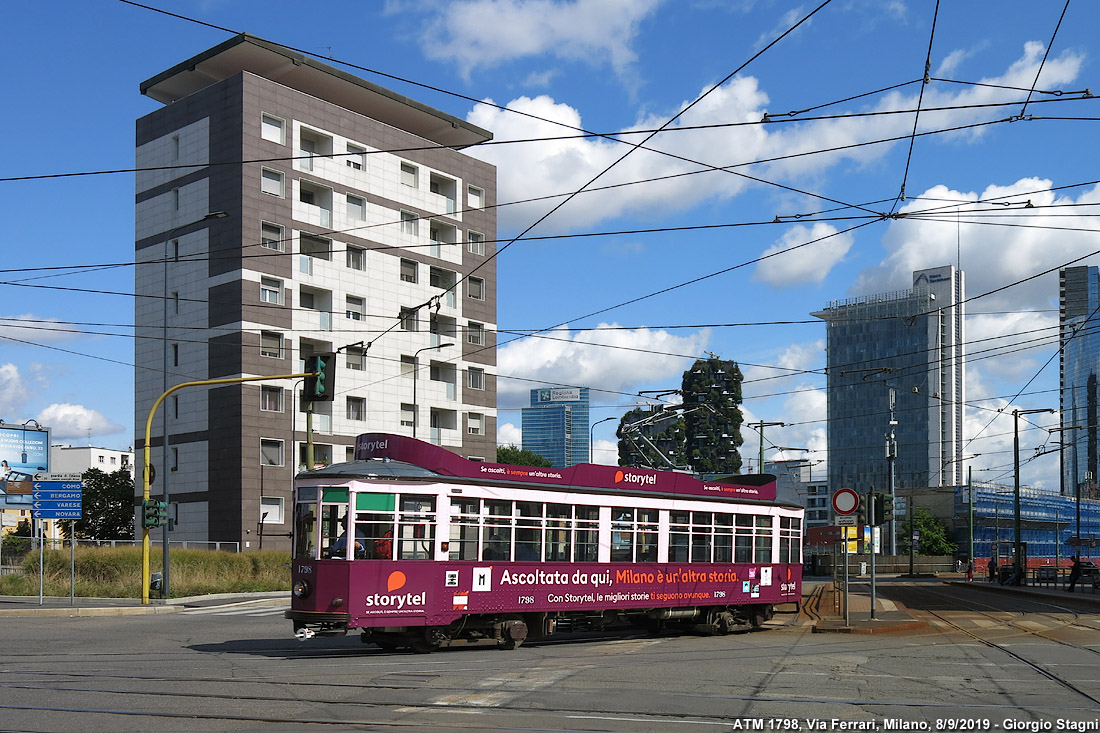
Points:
(878, 515)
(320, 386)
(153, 513)
(887, 501)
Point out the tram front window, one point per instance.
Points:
(305, 530)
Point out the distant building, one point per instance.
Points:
(794, 481)
(78, 459)
(286, 208)
(909, 342)
(556, 425)
(1079, 337)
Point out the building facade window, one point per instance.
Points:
(408, 271)
(273, 128)
(475, 333)
(356, 258)
(475, 197)
(407, 415)
(475, 288)
(271, 182)
(357, 408)
(357, 208)
(356, 158)
(271, 236)
(271, 452)
(409, 175)
(475, 243)
(271, 291)
(410, 223)
(409, 320)
(175, 354)
(271, 344)
(271, 399)
(475, 423)
(475, 378)
(271, 509)
(408, 366)
(354, 358)
(355, 307)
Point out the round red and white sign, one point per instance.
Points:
(845, 501)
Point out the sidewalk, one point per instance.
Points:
(64, 606)
(826, 611)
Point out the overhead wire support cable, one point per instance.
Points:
(916, 116)
(1046, 53)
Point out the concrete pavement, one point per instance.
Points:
(80, 606)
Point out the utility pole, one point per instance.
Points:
(891, 458)
(760, 426)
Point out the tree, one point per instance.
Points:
(703, 432)
(515, 456)
(935, 538)
(107, 507)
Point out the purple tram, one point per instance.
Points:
(421, 548)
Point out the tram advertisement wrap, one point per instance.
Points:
(441, 592)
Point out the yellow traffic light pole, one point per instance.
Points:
(147, 462)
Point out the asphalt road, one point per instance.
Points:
(983, 663)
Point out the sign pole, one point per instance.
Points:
(846, 621)
(871, 515)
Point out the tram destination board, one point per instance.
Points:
(58, 499)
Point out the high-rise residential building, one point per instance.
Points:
(896, 365)
(556, 425)
(285, 208)
(1079, 337)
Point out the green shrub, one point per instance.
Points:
(115, 572)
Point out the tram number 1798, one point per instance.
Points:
(526, 599)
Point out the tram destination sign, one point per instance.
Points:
(57, 496)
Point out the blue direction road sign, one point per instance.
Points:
(57, 499)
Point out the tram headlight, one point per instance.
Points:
(301, 589)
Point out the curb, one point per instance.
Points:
(89, 611)
(884, 627)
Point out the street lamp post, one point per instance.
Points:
(164, 588)
(590, 434)
(416, 369)
(1017, 545)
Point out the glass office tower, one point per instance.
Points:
(1079, 305)
(909, 344)
(556, 425)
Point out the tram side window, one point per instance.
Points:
(465, 518)
(622, 535)
(790, 542)
(373, 536)
(742, 542)
(679, 534)
(528, 530)
(559, 526)
(763, 539)
(633, 535)
(496, 535)
(587, 533)
(723, 537)
(334, 527)
(701, 526)
(416, 528)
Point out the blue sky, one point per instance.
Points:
(71, 76)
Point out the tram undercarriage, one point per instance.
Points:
(509, 631)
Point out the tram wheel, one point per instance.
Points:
(422, 646)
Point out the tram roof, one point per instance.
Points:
(386, 455)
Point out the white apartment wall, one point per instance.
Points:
(189, 145)
(78, 459)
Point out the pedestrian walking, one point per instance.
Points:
(992, 570)
(1074, 573)
(970, 571)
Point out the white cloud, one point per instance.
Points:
(615, 360)
(76, 421)
(992, 254)
(476, 34)
(14, 392)
(805, 264)
(605, 452)
(508, 434)
(556, 167)
(29, 327)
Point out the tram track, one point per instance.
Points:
(970, 605)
